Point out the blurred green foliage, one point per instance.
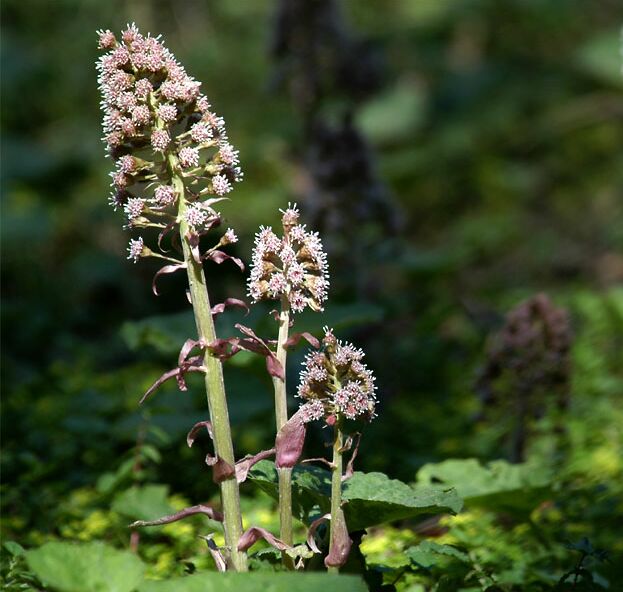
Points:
(499, 132)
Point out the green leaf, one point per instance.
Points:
(374, 498)
(252, 582)
(426, 554)
(143, 503)
(14, 548)
(311, 486)
(88, 567)
(498, 485)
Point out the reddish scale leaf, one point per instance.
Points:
(350, 467)
(220, 256)
(243, 466)
(193, 241)
(254, 534)
(200, 509)
(223, 349)
(192, 365)
(340, 542)
(188, 346)
(220, 308)
(221, 470)
(194, 431)
(294, 340)
(168, 228)
(311, 533)
(275, 367)
(165, 270)
(289, 442)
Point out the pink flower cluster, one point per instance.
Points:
(155, 118)
(294, 266)
(336, 383)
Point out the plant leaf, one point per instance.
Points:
(243, 466)
(498, 485)
(185, 513)
(374, 498)
(274, 367)
(427, 553)
(254, 534)
(311, 486)
(194, 431)
(229, 302)
(371, 498)
(254, 581)
(340, 541)
(164, 270)
(220, 256)
(143, 503)
(293, 340)
(289, 442)
(86, 567)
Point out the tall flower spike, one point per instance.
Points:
(155, 114)
(294, 266)
(173, 164)
(335, 383)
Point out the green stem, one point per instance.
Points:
(281, 418)
(215, 386)
(336, 487)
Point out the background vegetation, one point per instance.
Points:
(471, 160)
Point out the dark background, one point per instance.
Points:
(457, 158)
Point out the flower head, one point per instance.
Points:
(148, 100)
(334, 382)
(135, 249)
(196, 216)
(294, 266)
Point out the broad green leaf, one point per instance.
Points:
(427, 553)
(87, 567)
(311, 486)
(498, 485)
(374, 498)
(258, 581)
(143, 503)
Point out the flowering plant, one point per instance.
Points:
(173, 165)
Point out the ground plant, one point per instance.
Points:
(261, 421)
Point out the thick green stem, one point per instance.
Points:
(336, 488)
(215, 386)
(281, 417)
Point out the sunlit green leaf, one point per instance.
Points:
(143, 503)
(88, 567)
(254, 582)
(498, 484)
(427, 553)
(370, 498)
(374, 498)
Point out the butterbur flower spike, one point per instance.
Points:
(336, 383)
(293, 266)
(173, 162)
(149, 101)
